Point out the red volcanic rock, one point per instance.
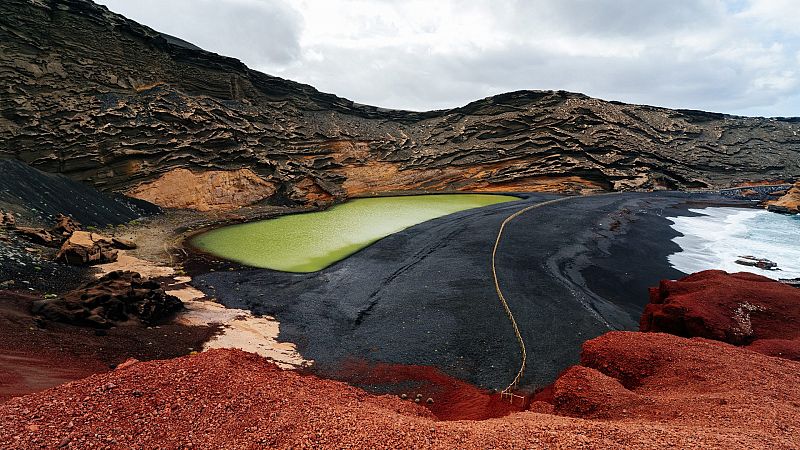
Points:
(582, 391)
(740, 309)
(685, 379)
(781, 348)
(703, 394)
(450, 398)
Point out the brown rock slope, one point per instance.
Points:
(101, 98)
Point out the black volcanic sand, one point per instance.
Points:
(36, 198)
(570, 271)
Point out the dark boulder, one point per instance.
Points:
(113, 299)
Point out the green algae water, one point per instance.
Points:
(312, 241)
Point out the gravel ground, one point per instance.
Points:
(36, 355)
(693, 394)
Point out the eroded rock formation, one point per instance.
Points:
(103, 99)
(740, 309)
(112, 299)
(788, 203)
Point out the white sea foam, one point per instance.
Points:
(716, 238)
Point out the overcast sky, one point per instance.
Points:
(733, 56)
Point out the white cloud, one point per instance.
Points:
(736, 56)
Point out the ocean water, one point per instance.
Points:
(716, 238)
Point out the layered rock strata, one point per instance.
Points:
(100, 98)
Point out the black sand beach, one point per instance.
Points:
(570, 271)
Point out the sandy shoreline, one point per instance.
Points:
(237, 328)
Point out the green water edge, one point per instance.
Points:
(309, 242)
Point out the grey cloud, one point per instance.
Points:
(409, 79)
(264, 32)
(653, 65)
(623, 17)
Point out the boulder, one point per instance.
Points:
(65, 226)
(115, 298)
(7, 220)
(761, 263)
(84, 248)
(740, 309)
(123, 243)
(38, 236)
(787, 204)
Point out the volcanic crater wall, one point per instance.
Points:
(102, 99)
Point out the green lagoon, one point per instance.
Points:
(312, 241)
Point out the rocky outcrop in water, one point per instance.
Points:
(789, 203)
(100, 98)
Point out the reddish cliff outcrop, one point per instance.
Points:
(789, 203)
(740, 308)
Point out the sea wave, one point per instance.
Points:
(718, 236)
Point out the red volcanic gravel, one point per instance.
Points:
(688, 393)
(740, 308)
(446, 397)
(33, 358)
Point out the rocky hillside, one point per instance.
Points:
(100, 98)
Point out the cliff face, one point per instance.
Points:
(100, 98)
